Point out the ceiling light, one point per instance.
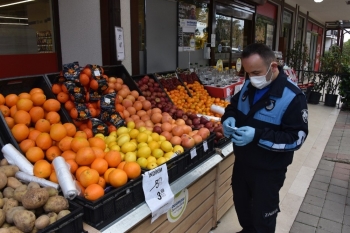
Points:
(15, 3)
(14, 24)
(7, 17)
(318, 0)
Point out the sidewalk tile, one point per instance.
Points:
(319, 185)
(347, 210)
(314, 200)
(329, 226)
(340, 183)
(338, 190)
(342, 165)
(329, 155)
(342, 170)
(311, 209)
(300, 227)
(347, 200)
(346, 220)
(324, 179)
(317, 193)
(333, 206)
(332, 215)
(328, 163)
(336, 198)
(340, 176)
(345, 229)
(307, 219)
(325, 167)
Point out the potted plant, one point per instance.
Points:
(344, 88)
(298, 59)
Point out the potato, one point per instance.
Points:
(35, 230)
(8, 192)
(9, 204)
(62, 213)
(2, 217)
(3, 180)
(33, 185)
(4, 162)
(52, 191)
(24, 220)
(4, 230)
(14, 229)
(11, 212)
(2, 203)
(53, 217)
(6, 225)
(35, 198)
(13, 182)
(56, 204)
(9, 170)
(1, 196)
(19, 192)
(42, 222)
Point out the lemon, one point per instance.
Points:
(114, 133)
(161, 160)
(123, 139)
(149, 138)
(142, 128)
(153, 145)
(155, 136)
(115, 147)
(109, 139)
(151, 159)
(142, 137)
(178, 149)
(141, 145)
(151, 165)
(142, 162)
(162, 138)
(169, 155)
(133, 133)
(122, 130)
(107, 149)
(130, 157)
(166, 146)
(144, 151)
(122, 155)
(130, 125)
(157, 153)
(100, 135)
(128, 147)
(111, 144)
(134, 141)
(148, 132)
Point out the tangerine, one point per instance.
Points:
(33, 134)
(79, 171)
(36, 113)
(113, 158)
(38, 99)
(73, 166)
(2, 99)
(53, 117)
(70, 128)
(62, 97)
(24, 95)
(80, 134)
(69, 105)
(52, 105)
(88, 177)
(10, 122)
(132, 169)
(13, 110)
(78, 143)
(65, 143)
(100, 165)
(101, 182)
(35, 154)
(56, 88)
(24, 104)
(22, 117)
(52, 153)
(85, 156)
(97, 142)
(36, 90)
(53, 177)
(93, 192)
(11, 100)
(5, 110)
(58, 132)
(117, 177)
(42, 169)
(26, 144)
(44, 141)
(98, 152)
(68, 154)
(20, 132)
(43, 125)
(106, 174)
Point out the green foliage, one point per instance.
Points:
(298, 56)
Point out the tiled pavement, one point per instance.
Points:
(326, 206)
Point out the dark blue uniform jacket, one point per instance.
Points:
(280, 119)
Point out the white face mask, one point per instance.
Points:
(260, 81)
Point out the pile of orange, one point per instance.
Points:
(199, 103)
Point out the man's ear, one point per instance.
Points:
(274, 69)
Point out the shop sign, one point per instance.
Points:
(119, 43)
(238, 65)
(158, 194)
(187, 27)
(179, 206)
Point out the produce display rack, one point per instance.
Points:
(18, 85)
(181, 72)
(169, 74)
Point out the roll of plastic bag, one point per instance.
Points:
(65, 178)
(210, 117)
(14, 157)
(29, 178)
(218, 109)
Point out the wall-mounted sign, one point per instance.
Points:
(119, 43)
(238, 65)
(187, 27)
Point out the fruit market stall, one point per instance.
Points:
(97, 133)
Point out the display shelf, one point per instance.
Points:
(139, 213)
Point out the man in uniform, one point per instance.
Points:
(266, 121)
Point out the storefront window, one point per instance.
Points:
(142, 35)
(265, 31)
(26, 27)
(300, 30)
(287, 27)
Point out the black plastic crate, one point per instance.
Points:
(18, 85)
(187, 72)
(222, 142)
(137, 78)
(53, 78)
(1, 145)
(169, 74)
(72, 222)
(113, 204)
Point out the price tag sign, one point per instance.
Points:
(205, 146)
(193, 152)
(158, 194)
(97, 73)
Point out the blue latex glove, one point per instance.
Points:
(227, 126)
(243, 136)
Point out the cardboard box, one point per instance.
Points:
(224, 92)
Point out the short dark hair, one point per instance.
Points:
(262, 50)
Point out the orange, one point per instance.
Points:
(84, 79)
(2, 99)
(36, 90)
(56, 88)
(101, 182)
(117, 177)
(88, 177)
(82, 189)
(24, 104)
(93, 192)
(52, 105)
(79, 171)
(121, 165)
(11, 100)
(100, 165)
(73, 166)
(53, 117)
(78, 143)
(70, 128)
(132, 169)
(89, 133)
(113, 158)
(43, 125)
(83, 126)
(58, 132)
(35, 154)
(33, 134)
(36, 113)
(68, 154)
(52, 153)
(53, 177)
(44, 141)
(73, 113)
(97, 142)
(106, 174)
(98, 152)
(94, 84)
(38, 98)
(24, 95)
(93, 112)
(81, 134)
(5, 110)
(42, 169)
(62, 97)
(22, 117)
(10, 122)
(85, 156)
(20, 132)
(13, 110)
(26, 144)
(69, 105)
(65, 143)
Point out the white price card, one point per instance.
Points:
(119, 43)
(193, 152)
(156, 188)
(97, 73)
(205, 146)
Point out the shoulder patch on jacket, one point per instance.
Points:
(305, 115)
